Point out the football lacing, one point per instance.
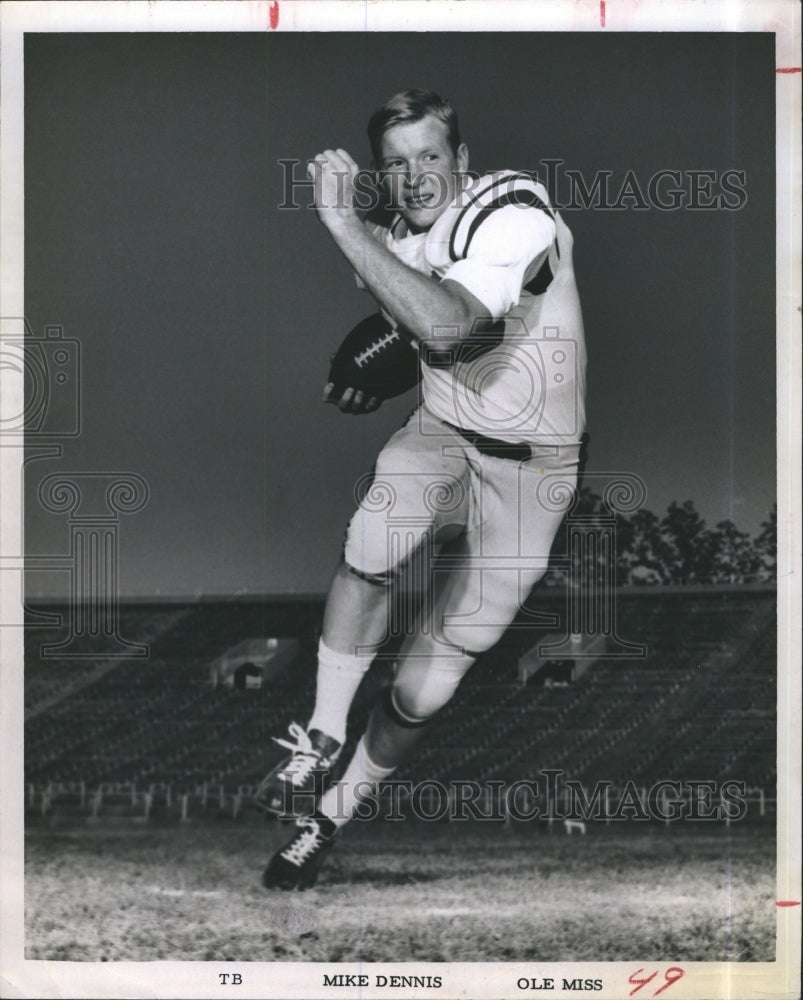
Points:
(304, 845)
(376, 347)
(305, 756)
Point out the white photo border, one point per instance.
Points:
(21, 978)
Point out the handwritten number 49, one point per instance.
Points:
(670, 976)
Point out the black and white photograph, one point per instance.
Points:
(401, 499)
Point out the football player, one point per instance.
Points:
(478, 274)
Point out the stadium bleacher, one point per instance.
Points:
(699, 704)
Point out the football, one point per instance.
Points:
(375, 358)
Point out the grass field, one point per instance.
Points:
(403, 892)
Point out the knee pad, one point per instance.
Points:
(423, 686)
(474, 639)
(396, 715)
(383, 558)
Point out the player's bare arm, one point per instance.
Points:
(417, 302)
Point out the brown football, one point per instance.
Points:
(375, 358)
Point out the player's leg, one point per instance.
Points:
(391, 734)
(502, 554)
(430, 671)
(428, 676)
(397, 723)
(415, 494)
(521, 509)
(355, 625)
(292, 786)
(355, 600)
(495, 564)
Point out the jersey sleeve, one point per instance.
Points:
(494, 237)
(505, 243)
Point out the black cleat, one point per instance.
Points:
(296, 865)
(293, 786)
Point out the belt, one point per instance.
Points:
(491, 446)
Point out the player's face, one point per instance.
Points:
(420, 170)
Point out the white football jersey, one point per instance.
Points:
(503, 242)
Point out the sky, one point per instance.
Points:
(205, 314)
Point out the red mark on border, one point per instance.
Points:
(672, 974)
(789, 69)
(787, 902)
(602, 13)
(273, 15)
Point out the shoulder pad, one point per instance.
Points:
(489, 194)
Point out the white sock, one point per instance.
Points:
(339, 676)
(359, 781)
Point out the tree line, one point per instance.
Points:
(680, 548)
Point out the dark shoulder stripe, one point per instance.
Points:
(496, 182)
(527, 198)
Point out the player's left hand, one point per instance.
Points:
(333, 173)
(353, 401)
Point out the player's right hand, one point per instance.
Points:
(333, 173)
(353, 401)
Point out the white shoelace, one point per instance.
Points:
(304, 758)
(298, 850)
